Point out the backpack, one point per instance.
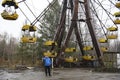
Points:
(47, 61)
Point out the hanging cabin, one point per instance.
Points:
(117, 14)
(117, 4)
(70, 50)
(28, 39)
(32, 39)
(102, 40)
(86, 48)
(50, 43)
(71, 59)
(10, 3)
(112, 28)
(29, 27)
(88, 57)
(112, 36)
(50, 54)
(117, 21)
(9, 15)
(104, 49)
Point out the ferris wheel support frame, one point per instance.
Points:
(92, 32)
(73, 25)
(61, 27)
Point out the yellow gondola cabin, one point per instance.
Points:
(10, 3)
(112, 28)
(10, 10)
(117, 14)
(28, 39)
(25, 39)
(50, 54)
(112, 36)
(70, 50)
(29, 27)
(50, 43)
(88, 57)
(104, 49)
(8, 16)
(117, 5)
(87, 48)
(32, 39)
(71, 59)
(117, 21)
(102, 40)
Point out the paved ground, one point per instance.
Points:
(59, 74)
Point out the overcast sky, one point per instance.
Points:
(13, 28)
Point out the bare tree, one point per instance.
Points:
(8, 47)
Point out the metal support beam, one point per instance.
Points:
(74, 13)
(61, 27)
(72, 25)
(78, 37)
(92, 32)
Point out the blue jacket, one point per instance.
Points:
(47, 61)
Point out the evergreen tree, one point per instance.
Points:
(48, 26)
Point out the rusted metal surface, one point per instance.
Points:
(72, 25)
(92, 32)
(78, 37)
(74, 5)
(61, 26)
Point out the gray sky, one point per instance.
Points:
(13, 28)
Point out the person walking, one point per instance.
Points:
(47, 65)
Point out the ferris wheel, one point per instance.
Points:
(93, 24)
(28, 29)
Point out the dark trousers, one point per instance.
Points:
(47, 70)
